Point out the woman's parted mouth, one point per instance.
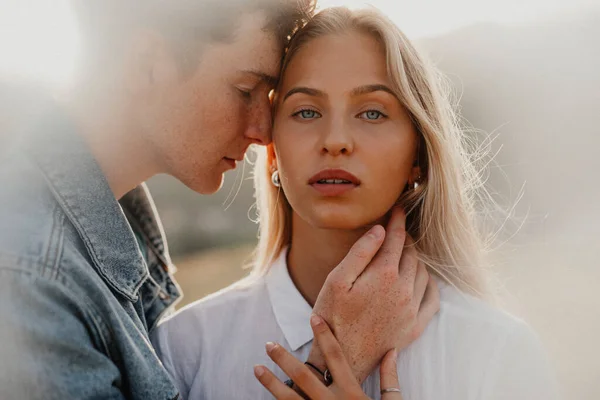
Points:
(334, 182)
(334, 177)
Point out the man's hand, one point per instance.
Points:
(378, 298)
(345, 386)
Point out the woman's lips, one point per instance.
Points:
(334, 182)
(337, 174)
(333, 189)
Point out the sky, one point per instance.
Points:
(39, 39)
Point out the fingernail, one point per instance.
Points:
(395, 355)
(376, 231)
(315, 320)
(270, 346)
(259, 371)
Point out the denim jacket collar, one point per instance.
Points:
(82, 191)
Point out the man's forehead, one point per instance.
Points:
(260, 48)
(268, 77)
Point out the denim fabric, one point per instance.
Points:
(77, 299)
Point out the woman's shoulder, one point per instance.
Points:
(472, 329)
(508, 352)
(459, 307)
(473, 346)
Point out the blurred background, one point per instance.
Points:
(526, 71)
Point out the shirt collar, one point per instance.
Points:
(291, 310)
(81, 189)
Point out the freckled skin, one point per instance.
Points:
(191, 121)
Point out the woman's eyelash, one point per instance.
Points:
(315, 114)
(379, 114)
(304, 110)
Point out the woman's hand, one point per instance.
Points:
(344, 386)
(378, 298)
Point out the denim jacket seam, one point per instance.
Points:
(105, 333)
(50, 239)
(95, 257)
(90, 313)
(92, 251)
(56, 244)
(93, 316)
(19, 262)
(60, 247)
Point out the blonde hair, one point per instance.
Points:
(441, 212)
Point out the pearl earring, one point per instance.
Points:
(275, 179)
(416, 183)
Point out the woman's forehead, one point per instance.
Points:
(337, 61)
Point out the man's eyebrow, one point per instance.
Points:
(305, 90)
(266, 78)
(372, 88)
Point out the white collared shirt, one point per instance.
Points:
(469, 350)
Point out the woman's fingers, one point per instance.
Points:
(277, 388)
(360, 256)
(334, 356)
(298, 372)
(389, 377)
(395, 239)
(409, 262)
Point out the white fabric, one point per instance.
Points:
(469, 351)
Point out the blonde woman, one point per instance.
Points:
(362, 125)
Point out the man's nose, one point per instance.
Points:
(260, 126)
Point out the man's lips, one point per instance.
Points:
(326, 176)
(237, 158)
(232, 161)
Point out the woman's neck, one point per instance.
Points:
(314, 253)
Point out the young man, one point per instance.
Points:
(178, 87)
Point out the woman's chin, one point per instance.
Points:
(341, 216)
(341, 220)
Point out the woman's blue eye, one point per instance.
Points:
(307, 114)
(372, 115)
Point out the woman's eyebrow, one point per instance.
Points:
(305, 90)
(370, 89)
(361, 90)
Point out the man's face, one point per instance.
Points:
(200, 124)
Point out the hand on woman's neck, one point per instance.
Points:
(316, 252)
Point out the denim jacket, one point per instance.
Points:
(77, 298)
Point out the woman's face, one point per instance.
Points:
(344, 145)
